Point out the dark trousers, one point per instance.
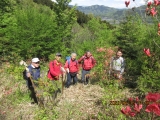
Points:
(32, 91)
(84, 72)
(29, 83)
(33, 95)
(71, 76)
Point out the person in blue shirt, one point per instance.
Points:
(34, 74)
(34, 71)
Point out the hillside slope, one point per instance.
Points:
(111, 14)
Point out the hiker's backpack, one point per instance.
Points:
(24, 75)
(68, 58)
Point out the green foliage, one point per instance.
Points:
(46, 114)
(36, 27)
(89, 37)
(114, 15)
(51, 57)
(15, 93)
(48, 3)
(65, 18)
(112, 93)
(28, 29)
(82, 18)
(31, 30)
(102, 11)
(149, 80)
(133, 35)
(132, 38)
(6, 25)
(130, 35)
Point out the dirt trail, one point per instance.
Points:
(79, 102)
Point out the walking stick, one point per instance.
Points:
(63, 78)
(26, 67)
(38, 98)
(63, 81)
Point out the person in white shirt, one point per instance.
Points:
(117, 65)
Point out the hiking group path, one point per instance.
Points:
(79, 102)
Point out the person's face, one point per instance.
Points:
(58, 58)
(36, 64)
(119, 54)
(88, 54)
(73, 57)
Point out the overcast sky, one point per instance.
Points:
(109, 3)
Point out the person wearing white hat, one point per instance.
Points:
(34, 73)
(34, 69)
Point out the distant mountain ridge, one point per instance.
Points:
(109, 13)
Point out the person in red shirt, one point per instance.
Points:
(88, 62)
(55, 68)
(72, 69)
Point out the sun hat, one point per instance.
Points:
(35, 60)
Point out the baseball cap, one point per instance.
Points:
(58, 54)
(35, 60)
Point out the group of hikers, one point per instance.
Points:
(72, 66)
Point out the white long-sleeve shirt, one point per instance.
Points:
(117, 64)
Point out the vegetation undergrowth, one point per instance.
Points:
(31, 28)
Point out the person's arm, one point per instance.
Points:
(122, 66)
(28, 74)
(66, 65)
(77, 65)
(93, 61)
(51, 68)
(81, 59)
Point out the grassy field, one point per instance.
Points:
(78, 102)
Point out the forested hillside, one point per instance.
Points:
(38, 28)
(112, 14)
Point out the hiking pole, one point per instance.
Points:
(63, 78)
(109, 73)
(38, 98)
(63, 81)
(26, 67)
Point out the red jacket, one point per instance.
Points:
(88, 62)
(54, 70)
(73, 65)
